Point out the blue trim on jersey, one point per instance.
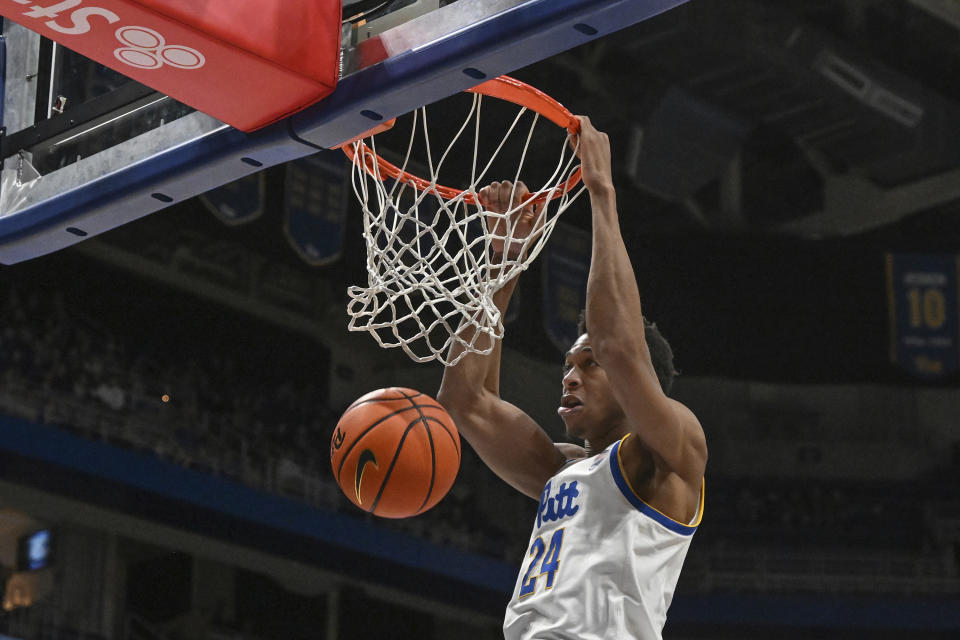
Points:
(635, 500)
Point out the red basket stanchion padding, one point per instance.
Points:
(246, 63)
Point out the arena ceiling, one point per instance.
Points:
(811, 118)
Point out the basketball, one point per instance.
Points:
(395, 452)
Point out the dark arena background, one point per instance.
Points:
(788, 182)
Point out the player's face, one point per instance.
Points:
(587, 406)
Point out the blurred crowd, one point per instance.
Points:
(248, 403)
(826, 514)
(228, 412)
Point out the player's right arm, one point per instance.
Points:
(508, 440)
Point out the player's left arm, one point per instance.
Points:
(663, 426)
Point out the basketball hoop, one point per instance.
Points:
(431, 270)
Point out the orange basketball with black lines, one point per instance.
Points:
(395, 452)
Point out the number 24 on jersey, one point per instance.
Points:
(547, 558)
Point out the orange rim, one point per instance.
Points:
(503, 88)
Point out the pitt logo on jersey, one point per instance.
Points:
(559, 505)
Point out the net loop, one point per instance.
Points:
(431, 266)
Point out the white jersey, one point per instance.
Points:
(602, 564)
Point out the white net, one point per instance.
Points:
(431, 265)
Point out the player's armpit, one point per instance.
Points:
(673, 488)
(682, 449)
(664, 427)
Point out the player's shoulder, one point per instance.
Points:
(570, 451)
(689, 422)
(690, 454)
(694, 441)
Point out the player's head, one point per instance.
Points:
(660, 351)
(587, 406)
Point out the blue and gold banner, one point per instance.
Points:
(923, 298)
(565, 270)
(238, 202)
(315, 203)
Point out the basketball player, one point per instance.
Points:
(616, 515)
